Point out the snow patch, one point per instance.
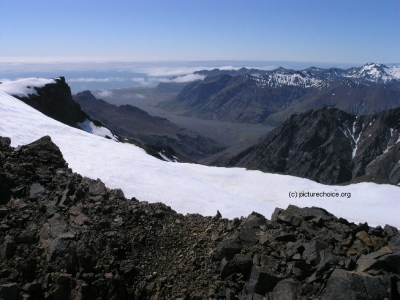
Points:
(24, 87)
(280, 79)
(89, 127)
(166, 158)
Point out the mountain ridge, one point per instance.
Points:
(329, 146)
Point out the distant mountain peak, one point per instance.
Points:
(373, 72)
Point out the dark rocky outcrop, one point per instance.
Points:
(64, 236)
(55, 101)
(329, 146)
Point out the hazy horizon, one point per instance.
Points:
(111, 75)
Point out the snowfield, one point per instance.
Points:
(191, 188)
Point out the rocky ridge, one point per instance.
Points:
(64, 236)
(55, 100)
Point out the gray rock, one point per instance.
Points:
(391, 262)
(127, 267)
(8, 291)
(252, 296)
(261, 281)
(312, 250)
(390, 230)
(394, 243)
(58, 245)
(250, 228)
(36, 190)
(228, 247)
(29, 237)
(98, 188)
(286, 237)
(7, 249)
(309, 212)
(345, 285)
(282, 216)
(244, 262)
(32, 287)
(227, 268)
(5, 142)
(285, 290)
(369, 261)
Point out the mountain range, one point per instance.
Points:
(270, 97)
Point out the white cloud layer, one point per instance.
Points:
(185, 78)
(91, 79)
(105, 93)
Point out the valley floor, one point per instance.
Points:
(228, 133)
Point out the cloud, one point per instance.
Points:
(105, 93)
(91, 79)
(142, 81)
(226, 68)
(134, 96)
(268, 68)
(185, 78)
(170, 71)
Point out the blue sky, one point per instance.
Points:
(332, 31)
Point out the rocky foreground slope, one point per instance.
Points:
(64, 236)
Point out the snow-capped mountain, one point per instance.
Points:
(374, 73)
(371, 73)
(270, 97)
(190, 188)
(282, 77)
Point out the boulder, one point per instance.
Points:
(394, 243)
(390, 230)
(227, 268)
(370, 262)
(261, 281)
(347, 285)
(36, 190)
(228, 247)
(244, 263)
(8, 291)
(286, 289)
